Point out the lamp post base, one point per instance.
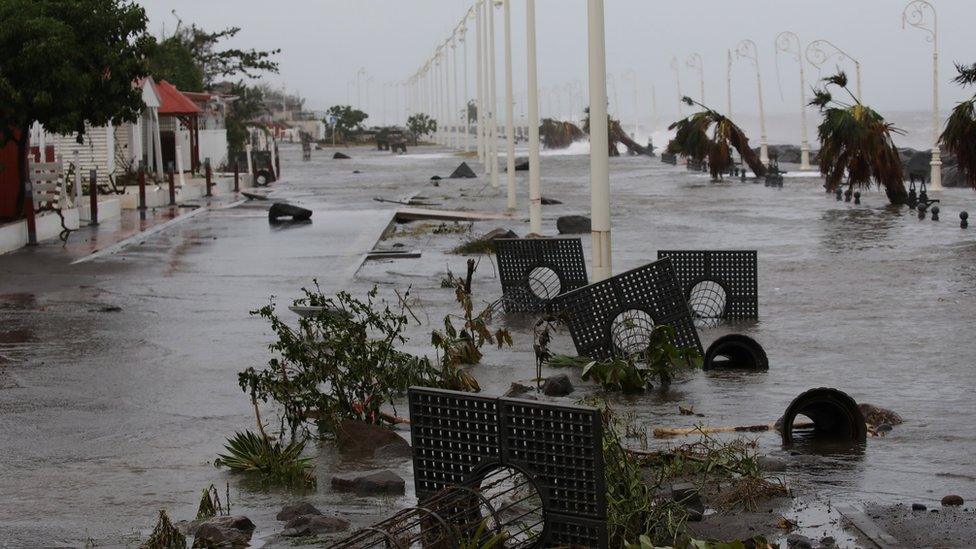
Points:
(805, 157)
(936, 177)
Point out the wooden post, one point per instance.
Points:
(93, 196)
(29, 212)
(209, 175)
(172, 184)
(237, 177)
(142, 188)
(277, 163)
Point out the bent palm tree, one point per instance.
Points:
(692, 140)
(855, 141)
(959, 135)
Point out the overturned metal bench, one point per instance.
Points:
(616, 316)
(718, 284)
(533, 271)
(529, 472)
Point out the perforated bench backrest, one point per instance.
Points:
(47, 183)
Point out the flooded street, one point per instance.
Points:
(118, 376)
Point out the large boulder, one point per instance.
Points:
(919, 163)
(788, 154)
(364, 439)
(293, 510)
(573, 224)
(222, 532)
(313, 525)
(341, 156)
(279, 210)
(463, 172)
(380, 482)
(558, 385)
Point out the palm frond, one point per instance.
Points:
(967, 74)
(250, 453)
(959, 138)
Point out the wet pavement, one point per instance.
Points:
(118, 380)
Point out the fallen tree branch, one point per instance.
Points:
(667, 432)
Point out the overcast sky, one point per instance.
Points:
(325, 42)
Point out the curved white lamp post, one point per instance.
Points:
(789, 43)
(728, 84)
(509, 105)
(599, 142)
(631, 75)
(819, 51)
(695, 62)
(492, 96)
(677, 81)
(915, 15)
(747, 49)
(535, 192)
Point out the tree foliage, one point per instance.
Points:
(856, 143)
(192, 60)
(420, 124)
(692, 139)
(248, 106)
(959, 135)
(347, 119)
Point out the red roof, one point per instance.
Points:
(173, 102)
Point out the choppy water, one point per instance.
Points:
(107, 417)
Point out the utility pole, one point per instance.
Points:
(599, 143)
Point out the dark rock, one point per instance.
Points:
(293, 510)
(952, 501)
(360, 438)
(689, 496)
(919, 164)
(356, 171)
(788, 154)
(771, 464)
(313, 525)
(517, 389)
(918, 507)
(573, 224)
(796, 541)
(463, 172)
(341, 156)
(393, 451)
(495, 234)
(223, 532)
(550, 201)
(827, 542)
(558, 385)
(380, 482)
(110, 309)
(280, 209)
(436, 178)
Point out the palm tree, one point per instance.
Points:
(855, 142)
(692, 140)
(959, 136)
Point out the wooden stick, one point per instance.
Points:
(667, 432)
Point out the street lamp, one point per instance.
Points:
(789, 43)
(915, 15)
(819, 51)
(677, 80)
(747, 49)
(532, 83)
(359, 87)
(695, 62)
(728, 83)
(632, 76)
(599, 142)
(509, 105)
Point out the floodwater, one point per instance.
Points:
(107, 416)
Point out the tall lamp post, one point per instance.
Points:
(695, 62)
(532, 82)
(915, 15)
(728, 83)
(677, 80)
(631, 75)
(492, 95)
(599, 142)
(467, 98)
(819, 51)
(509, 105)
(747, 49)
(789, 43)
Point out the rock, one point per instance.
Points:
(380, 482)
(313, 525)
(393, 451)
(495, 234)
(341, 156)
(436, 178)
(788, 154)
(952, 501)
(463, 172)
(573, 224)
(918, 507)
(517, 389)
(827, 542)
(919, 164)
(550, 201)
(771, 464)
(293, 510)
(360, 438)
(521, 164)
(281, 209)
(688, 495)
(110, 309)
(223, 532)
(356, 171)
(796, 541)
(558, 385)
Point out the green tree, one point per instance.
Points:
(347, 119)
(692, 139)
(248, 106)
(959, 135)
(192, 60)
(68, 63)
(855, 141)
(420, 124)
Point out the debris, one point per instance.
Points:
(313, 525)
(380, 482)
(689, 411)
(281, 209)
(796, 541)
(484, 244)
(517, 389)
(165, 535)
(573, 224)
(558, 385)
(341, 156)
(689, 496)
(254, 196)
(463, 172)
(436, 178)
(919, 507)
(834, 413)
(550, 201)
(952, 501)
(417, 214)
(771, 464)
(293, 510)
(875, 415)
(392, 254)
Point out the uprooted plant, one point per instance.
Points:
(272, 462)
(462, 345)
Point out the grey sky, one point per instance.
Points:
(324, 42)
